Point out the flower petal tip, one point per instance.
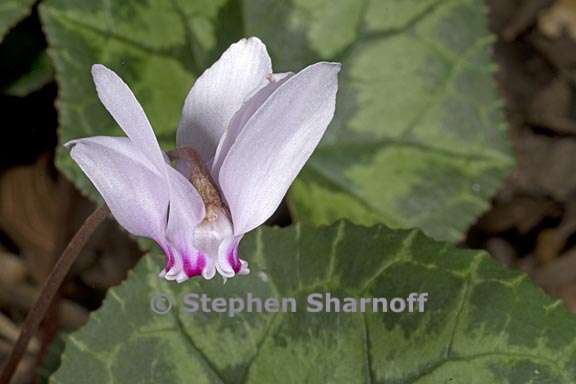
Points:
(247, 43)
(209, 272)
(331, 65)
(244, 270)
(69, 144)
(182, 277)
(225, 271)
(99, 69)
(251, 40)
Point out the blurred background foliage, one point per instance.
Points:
(419, 138)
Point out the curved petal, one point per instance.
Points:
(186, 207)
(229, 263)
(127, 111)
(219, 92)
(136, 195)
(276, 142)
(243, 115)
(184, 266)
(186, 213)
(122, 145)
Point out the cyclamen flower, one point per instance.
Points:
(244, 135)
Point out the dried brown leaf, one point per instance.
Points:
(559, 18)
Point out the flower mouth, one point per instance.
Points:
(213, 244)
(195, 269)
(183, 266)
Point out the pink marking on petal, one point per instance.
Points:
(170, 262)
(194, 270)
(233, 259)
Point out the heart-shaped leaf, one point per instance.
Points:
(482, 323)
(418, 139)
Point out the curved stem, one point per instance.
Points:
(49, 290)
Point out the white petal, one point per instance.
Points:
(243, 115)
(219, 92)
(186, 207)
(229, 263)
(186, 212)
(136, 195)
(275, 144)
(127, 111)
(123, 145)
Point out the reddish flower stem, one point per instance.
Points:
(49, 290)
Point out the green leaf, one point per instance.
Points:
(11, 12)
(482, 324)
(51, 361)
(418, 139)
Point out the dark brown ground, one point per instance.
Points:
(531, 224)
